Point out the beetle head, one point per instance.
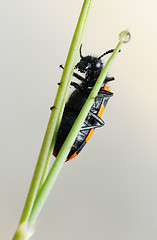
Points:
(89, 65)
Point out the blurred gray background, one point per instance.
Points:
(110, 190)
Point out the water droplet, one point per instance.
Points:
(125, 36)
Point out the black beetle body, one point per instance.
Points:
(91, 67)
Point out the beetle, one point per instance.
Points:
(91, 67)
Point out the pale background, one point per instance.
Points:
(109, 192)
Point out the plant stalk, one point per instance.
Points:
(62, 155)
(53, 124)
(71, 60)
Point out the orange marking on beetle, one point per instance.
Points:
(106, 88)
(74, 155)
(101, 109)
(89, 134)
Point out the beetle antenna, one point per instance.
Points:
(80, 51)
(109, 51)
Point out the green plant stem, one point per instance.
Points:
(55, 117)
(49, 182)
(70, 62)
(49, 158)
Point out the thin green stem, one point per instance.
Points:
(55, 117)
(67, 73)
(22, 232)
(56, 168)
(62, 90)
(49, 158)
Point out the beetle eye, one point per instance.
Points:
(98, 65)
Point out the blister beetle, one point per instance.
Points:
(91, 67)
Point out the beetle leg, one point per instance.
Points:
(79, 77)
(97, 118)
(109, 79)
(99, 121)
(105, 92)
(75, 75)
(77, 86)
(90, 127)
